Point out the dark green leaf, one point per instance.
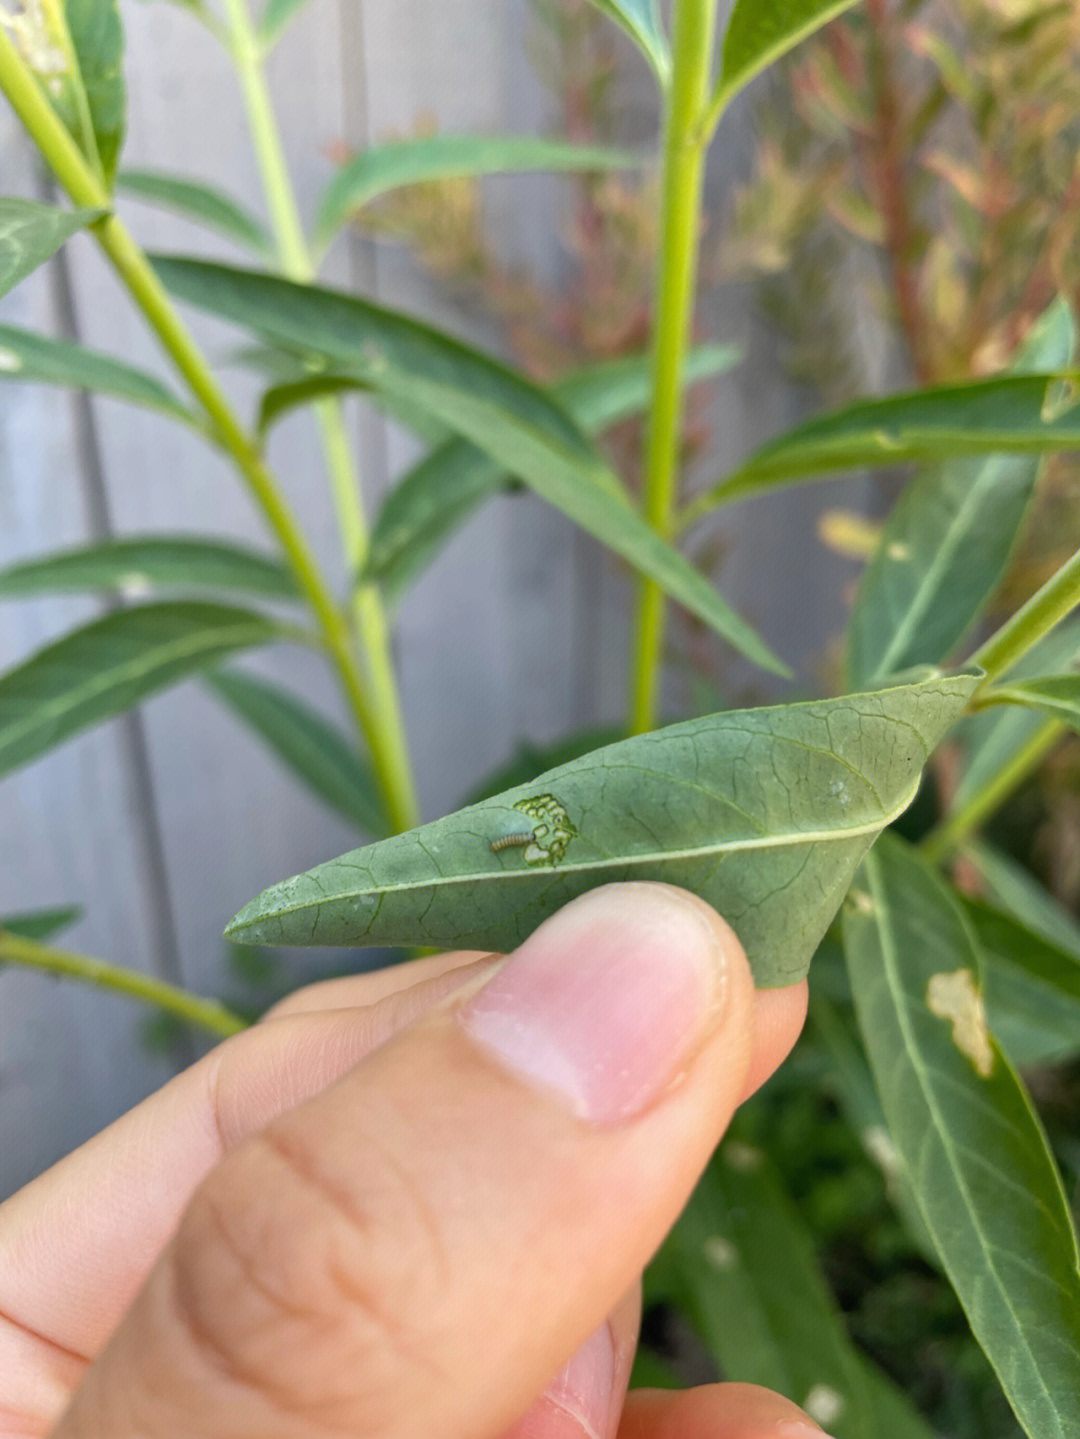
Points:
(30, 233)
(37, 358)
(641, 21)
(947, 542)
(312, 748)
(148, 562)
(1014, 414)
(199, 202)
(760, 31)
(275, 17)
(439, 493)
(40, 924)
(98, 39)
(484, 402)
(1032, 988)
(765, 813)
(652, 1372)
(113, 663)
(396, 163)
(1016, 890)
(742, 1266)
(966, 1131)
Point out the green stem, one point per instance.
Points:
(85, 188)
(206, 1013)
(944, 840)
(1046, 608)
(386, 735)
(685, 147)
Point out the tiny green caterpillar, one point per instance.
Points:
(547, 841)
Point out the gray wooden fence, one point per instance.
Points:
(159, 825)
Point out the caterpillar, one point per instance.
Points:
(510, 841)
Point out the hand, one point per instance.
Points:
(403, 1202)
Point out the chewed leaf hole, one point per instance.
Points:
(956, 997)
(824, 1404)
(720, 1253)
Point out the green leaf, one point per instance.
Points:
(151, 562)
(27, 356)
(529, 760)
(275, 17)
(1014, 889)
(311, 747)
(202, 203)
(115, 662)
(31, 233)
(1032, 988)
(765, 813)
(641, 21)
(98, 40)
(947, 542)
(439, 493)
(1056, 696)
(1016, 414)
(767, 1320)
(966, 1131)
(389, 166)
(40, 924)
(484, 402)
(760, 31)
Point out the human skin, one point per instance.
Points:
(403, 1202)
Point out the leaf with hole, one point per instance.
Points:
(515, 422)
(965, 1128)
(107, 666)
(765, 813)
(31, 233)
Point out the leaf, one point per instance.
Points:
(202, 203)
(312, 748)
(149, 562)
(529, 760)
(1032, 988)
(765, 813)
(115, 662)
(98, 40)
(438, 494)
(1056, 696)
(769, 1322)
(389, 166)
(1015, 890)
(1015, 414)
(641, 21)
(497, 410)
(966, 1131)
(31, 233)
(947, 541)
(760, 31)
(37, 358)
(40, 924)
(275, 17)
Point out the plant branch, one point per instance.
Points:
(386, 735)
(206, 1013)
(685, 147)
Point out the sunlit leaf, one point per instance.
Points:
(31, 233)
(765, 813)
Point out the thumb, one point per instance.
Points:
(420, 1248)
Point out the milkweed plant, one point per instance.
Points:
(784, 818)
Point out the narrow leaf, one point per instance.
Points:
(760, 31)
(1015, 890)
(98, 40)
(31, 233)
(497, 410)
(311, 747)
(769, 1322)
(40, 924)
(947, 542)
(965, 1128)
(275, 17)
(438, 494)
(389, 166)
(641, 21)
(147, 562)
(115, 662)
(765, 813)
(203, 203)
(1032, 988)
(1016, 414)
(1057, 696)
(27, 356)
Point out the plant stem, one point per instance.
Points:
(386, 737)
(947, 837)
(1046, 608)
(85, 188)
(685, 145)
(206, 1013)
